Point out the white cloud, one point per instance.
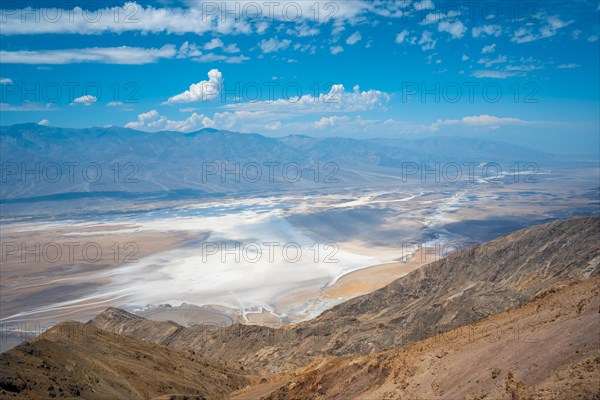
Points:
(523, 67)
(568, 66)
(465, 57)
(354, 38)
(6, 81)
(273, 45)
(493, 74)
(456, 29)
(86, 100)
(427, 42)
(306, 48)
(214, 44)
(592, 38)
(489, 48)
(195, 19)
(273, 126)
(551, 25)
(44, 122)
(424, 5)
(303, 30)
(210, 57)
(244, 121)
(402, 36)
(482, 120)
(336, 100)
(104, 55)
(336, 50)
(501, 59)
(232, 48)
(28, 106)
(201, 91)
(188, 49)
(152, 121)
(432, 18)
(486, 30)
(191, 50)
(329, 121)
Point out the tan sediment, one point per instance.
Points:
(358, 282)
(28, 275)
(372, 278)
(265, 317)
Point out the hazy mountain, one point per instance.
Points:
(113, 160)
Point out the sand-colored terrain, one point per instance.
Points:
(65, 264)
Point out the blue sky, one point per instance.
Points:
(521, 71)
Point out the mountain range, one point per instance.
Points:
(42, 162)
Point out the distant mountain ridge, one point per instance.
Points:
(141, 162)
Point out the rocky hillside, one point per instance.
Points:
(79, 360)
(455, 291)
(548, 348)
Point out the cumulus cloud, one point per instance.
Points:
(191, 50)
(501, 59)
(482, 120)
(549, 28)
(336, 100)
(486, 30)
(188, 49)
(568, 66)
(306, 48)
(336, 50)
(403, 36)
(28, 106)
(44, 122)
(273, 126)
(245, 121)
(86, 100)
(354, 38)
(211, 57)
(273, 45)
(232, 48)
(201, 91)
(329, 121)
(303, 30)
(152, 121)
(489, 48)
(424, 5)
(493, 74)
(214, 44)
(455, 29)
(6, 81)
(104, 55)
(134, 17)
(427, 42)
